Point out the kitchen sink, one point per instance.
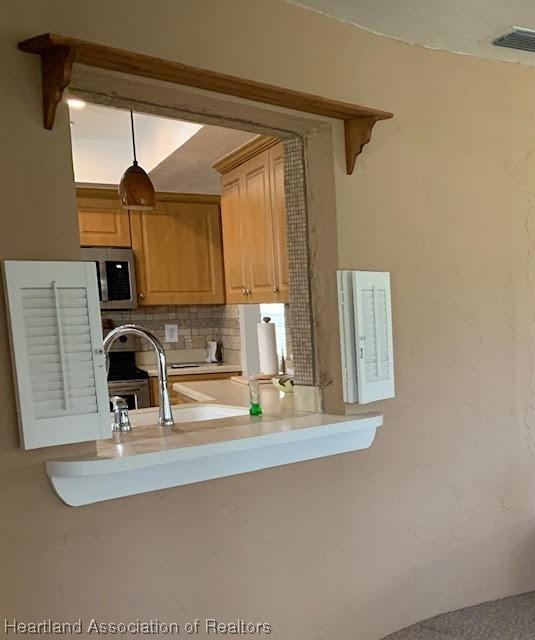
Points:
(186, 413)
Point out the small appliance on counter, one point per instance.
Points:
(214, 351)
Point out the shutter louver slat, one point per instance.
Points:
(64, 351)
(57, 348)
(376, 332)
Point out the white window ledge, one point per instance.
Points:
(152, 458)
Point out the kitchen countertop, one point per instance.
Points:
(151, 458)
(203, 369)
(273, 401)
(196, 449)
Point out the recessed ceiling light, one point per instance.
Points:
(75, 103)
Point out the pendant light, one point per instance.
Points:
(135, 189)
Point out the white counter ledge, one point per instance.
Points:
(151, 458)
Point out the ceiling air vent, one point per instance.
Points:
(518, 38)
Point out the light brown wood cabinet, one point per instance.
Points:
(174, 396)
(234, 237)
(278, 207)
(177, 247)
(178, 251)
(102, 220)
(253, 216)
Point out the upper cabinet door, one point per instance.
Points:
(278, 208)
(234, 237)
(102, 220)
(178, 253)
(260, 246)
(254, 222)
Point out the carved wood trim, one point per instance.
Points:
(245, 152)
(58, 54)
(56, 69)
(358, 132)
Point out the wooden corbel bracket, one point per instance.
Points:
(58, 53)
(358, 132)
(56, 69)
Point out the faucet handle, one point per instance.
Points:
(121, 420)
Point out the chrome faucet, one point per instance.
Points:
(166, 415)
(121, 420)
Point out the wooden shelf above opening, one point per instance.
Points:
(59, 53)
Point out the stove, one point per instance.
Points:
(123, 366)
(125, 379)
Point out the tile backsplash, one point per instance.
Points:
(196, 325)
(300, 319)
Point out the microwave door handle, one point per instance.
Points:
(103, 280)
(132, 282)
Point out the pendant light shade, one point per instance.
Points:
(135, 189)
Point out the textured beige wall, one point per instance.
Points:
(439, 513)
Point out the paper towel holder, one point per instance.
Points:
(267, 347)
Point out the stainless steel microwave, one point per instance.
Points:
(116, 276)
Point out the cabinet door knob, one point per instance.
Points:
(248, 292)
(244, 291)
(141, 295)
(275, 289)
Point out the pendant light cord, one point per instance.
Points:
(133, 135)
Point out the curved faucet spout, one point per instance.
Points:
(166, 415)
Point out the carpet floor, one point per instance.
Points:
(507, 619)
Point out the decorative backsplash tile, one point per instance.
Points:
(196, 326)
(300, 319)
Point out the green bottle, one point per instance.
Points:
(255, 408)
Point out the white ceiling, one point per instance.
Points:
(102, 141)
(189, 168)
(177, 155)
(462, 26)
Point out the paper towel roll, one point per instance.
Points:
(267, 348)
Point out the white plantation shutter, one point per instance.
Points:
(347, 335)
(59, 364)
(366, 336)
